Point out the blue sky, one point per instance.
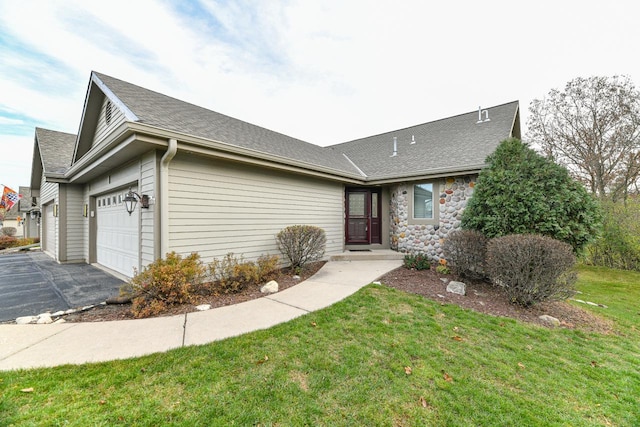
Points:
(322, 71)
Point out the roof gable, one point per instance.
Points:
(457, 144)
(52, 154)
(171, 114)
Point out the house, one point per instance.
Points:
(212, 184)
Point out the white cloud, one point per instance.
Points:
(325, 71)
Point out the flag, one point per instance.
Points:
(9, 198)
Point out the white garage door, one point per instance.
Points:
(49, 230)
(117, 238)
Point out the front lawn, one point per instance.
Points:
(381, 357)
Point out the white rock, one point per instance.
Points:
(458, 288)
(203, 307)
(25, 320)
(441, 296)
(377, 283)
(296, 277)
(44, 319)
(550, 320)
(60, 320)
(270, 288)
(70, 311)
(57, 313)
(87, 307)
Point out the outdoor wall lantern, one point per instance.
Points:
(34, 214)
(131, 198)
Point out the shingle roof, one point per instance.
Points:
(56, 150)
(168, 113)
(454, 143)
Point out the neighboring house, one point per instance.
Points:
(30, 212)
(217, 184)
(12, 219)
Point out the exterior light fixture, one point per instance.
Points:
(132, 198)
(34, 214)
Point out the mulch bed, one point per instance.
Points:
(480, 296)
(488, 299)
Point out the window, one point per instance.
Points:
(423, 201)
(423, 207)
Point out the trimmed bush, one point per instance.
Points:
(466, 251)
(164, 283)
(417, 262)
(301, 244)
(8, 231)
(531, 268)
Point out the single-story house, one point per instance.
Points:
(213, 184)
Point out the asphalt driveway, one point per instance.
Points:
(32, 283)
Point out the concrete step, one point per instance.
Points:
(369, 255)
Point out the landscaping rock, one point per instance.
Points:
(549, 320)
(458, 288)
(270, 288)
(25, 320)
(44, 319)
(203, 307)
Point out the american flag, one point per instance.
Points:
(9, 198)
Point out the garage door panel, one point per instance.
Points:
(117, 239)
(49, 230)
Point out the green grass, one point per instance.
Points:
(345, 365)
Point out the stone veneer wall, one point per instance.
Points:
(428, 239)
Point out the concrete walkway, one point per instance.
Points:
(29, 346)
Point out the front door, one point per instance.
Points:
(363, 216)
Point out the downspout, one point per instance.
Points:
(164, 196)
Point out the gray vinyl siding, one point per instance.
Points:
(75, 223)
(49, 195)
(102, 128)
(219, 207)
(149, 227)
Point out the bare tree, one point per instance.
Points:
(592, 128)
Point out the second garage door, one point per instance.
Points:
(117, 238)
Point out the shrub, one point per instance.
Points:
(417, 262)
(301, 244)
(232, 274)
(522, 192)
(268, 267)
(618, 245)
(8, 242)
(466, 251)
(164, 283)
(531, 268)
(8, 231)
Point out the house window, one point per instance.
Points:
(423, 201)
(423, 206)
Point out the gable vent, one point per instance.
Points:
(108, 112)
(395, 147)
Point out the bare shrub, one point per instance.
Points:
(233, 274)
(8, 231)
(301, 244)
(531, 268)
(466, 250)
